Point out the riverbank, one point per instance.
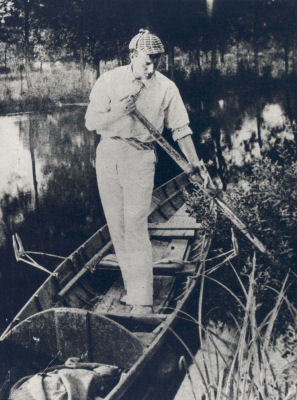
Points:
(35, 105)
(48, 89)
(52, 88)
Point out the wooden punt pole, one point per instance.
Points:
(186, 167)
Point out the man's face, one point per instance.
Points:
(144, 65)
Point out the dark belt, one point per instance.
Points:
(136, 143)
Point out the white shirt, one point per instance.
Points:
(159, 101)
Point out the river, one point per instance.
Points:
(48, 192)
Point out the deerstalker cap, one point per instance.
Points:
(147, 42)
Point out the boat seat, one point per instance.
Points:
(167, 229)
(166, 265)
(168, 257)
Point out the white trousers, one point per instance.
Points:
(125, 177)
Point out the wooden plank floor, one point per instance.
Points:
(168, 248)
(110, 303)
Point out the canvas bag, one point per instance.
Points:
(67, 384)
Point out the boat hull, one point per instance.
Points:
(77, 311)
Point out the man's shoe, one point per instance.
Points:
(142, 310)
(125, 300)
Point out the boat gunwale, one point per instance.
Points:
(54, 276)
(163, 329)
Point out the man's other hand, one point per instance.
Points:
(203, 179)
(125, 106)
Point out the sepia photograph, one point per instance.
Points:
(148, 199)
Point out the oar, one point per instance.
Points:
(21, 254)
(186, 167)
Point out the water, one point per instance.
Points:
(48, 191)
(241, 123)
(48, 194)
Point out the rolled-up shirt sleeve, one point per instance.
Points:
(176, 116)
(99, 105)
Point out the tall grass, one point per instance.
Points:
(49, 88)
(244, 362)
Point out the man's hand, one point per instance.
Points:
(202, 178)
(125, 106)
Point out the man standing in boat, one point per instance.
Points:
(125, 158)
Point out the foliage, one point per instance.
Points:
(91, 30)
(267, 199)
(264, 196)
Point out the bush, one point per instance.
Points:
(264, 196)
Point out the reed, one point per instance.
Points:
(245, 362)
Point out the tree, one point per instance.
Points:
(20, 24)
(249, 25)
(283, 25)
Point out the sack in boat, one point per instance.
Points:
(67, 384)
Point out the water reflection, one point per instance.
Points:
(48, 193)
(15, 163)
(258, 134)
(243, 125)
(47, 161)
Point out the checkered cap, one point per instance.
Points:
(147, 42)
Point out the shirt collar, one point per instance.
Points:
(145, 82)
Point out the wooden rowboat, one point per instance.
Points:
(77, 310)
